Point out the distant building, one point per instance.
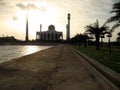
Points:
(50, 35)
(8, 39)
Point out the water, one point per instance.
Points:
(10, 52)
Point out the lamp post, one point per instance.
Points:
(102, 36)
(109, 43)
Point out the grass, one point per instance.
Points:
(103, 56)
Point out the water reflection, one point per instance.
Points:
(30, 49)
(10, 52)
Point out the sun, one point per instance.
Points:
(42, 14)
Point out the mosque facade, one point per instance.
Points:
(50, 35)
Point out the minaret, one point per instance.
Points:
(40, 31)
(68, 26)
(26, 38)
(40, 28)
(67, 31)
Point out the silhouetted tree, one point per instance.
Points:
(119, 34)
(85, 38)
(90, 39)
(75, 39)
(79, 38)
(118, 38)
(116, 17)
(96, 30)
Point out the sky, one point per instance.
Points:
(47, 12)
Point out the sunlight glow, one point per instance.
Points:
(43, 14)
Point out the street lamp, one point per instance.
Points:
(109, 43)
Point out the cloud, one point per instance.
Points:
(15, 18)
(42, 9)
(95, 8)
(30, 6)
(2, 3)
(6, 7)
(21, 6)
(25, 7)
(5, 3)
(115, 1)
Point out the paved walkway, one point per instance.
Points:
(72, 74)
(57, 68)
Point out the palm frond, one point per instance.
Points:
(115, 11)
(119, 34)
(114, 27)
(95, 29)
(96, 24)
(113, 19)
(116, 5)
(89, 29)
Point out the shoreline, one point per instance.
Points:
(14, 59)
(32, 43)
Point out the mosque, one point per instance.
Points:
(50, 35)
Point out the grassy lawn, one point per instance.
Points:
(103, 56)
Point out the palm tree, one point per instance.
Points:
(102, 36)
(118, 38)
(96, 30)
(116, 17)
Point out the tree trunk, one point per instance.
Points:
(85, 43)
(101, 42)
(97, 42)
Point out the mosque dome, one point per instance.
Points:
(51, 27)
